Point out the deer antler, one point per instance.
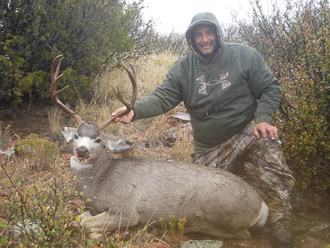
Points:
(133, 79)
(54, 92)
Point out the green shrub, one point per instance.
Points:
(90, 34)
(38, 212)
(38, 153)
(305, 109)
(295, 44)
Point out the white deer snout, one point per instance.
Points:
(86, 149)
(85, 152)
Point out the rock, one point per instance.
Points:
(319, 228)
(201, 244)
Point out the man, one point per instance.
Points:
(230, 94)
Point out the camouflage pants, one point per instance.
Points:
(274, 173)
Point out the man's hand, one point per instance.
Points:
(126, 118)
(265, 128)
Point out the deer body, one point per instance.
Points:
(129, 192)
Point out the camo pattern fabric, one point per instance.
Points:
(267, 156)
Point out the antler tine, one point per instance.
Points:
(53, 88)
(132, 76)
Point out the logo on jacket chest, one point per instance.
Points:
(205, 84)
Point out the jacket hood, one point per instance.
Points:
(204, 18)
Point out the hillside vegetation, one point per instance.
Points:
(38, 203)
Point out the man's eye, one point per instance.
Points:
(97, 140)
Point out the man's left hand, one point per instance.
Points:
(264, 128)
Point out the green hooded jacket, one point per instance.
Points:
(222, 95)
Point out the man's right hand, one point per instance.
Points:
(124, 119)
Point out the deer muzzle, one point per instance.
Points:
(82, 153)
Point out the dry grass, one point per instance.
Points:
(55, 121)
(183, 146)
(150, 74)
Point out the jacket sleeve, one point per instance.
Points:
(265, 87)
(164, 98)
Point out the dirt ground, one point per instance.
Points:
(311, 217)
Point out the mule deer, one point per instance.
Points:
(127, 192)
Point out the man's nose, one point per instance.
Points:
(204, 37)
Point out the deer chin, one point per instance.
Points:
(77, 164)
(82, 160)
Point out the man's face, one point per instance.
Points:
(205, 39)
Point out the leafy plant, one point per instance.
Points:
(174, 229)
(89, 34)
(39, 212)
(295, 44)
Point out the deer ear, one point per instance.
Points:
(68, 133)
(116, 144)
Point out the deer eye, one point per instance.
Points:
(76, 136)
(98, 140)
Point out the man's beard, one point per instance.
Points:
(209, 55)
(209, 43)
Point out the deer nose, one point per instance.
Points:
(82, 152)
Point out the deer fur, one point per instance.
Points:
(130, 192)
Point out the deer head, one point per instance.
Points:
(88, 140)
